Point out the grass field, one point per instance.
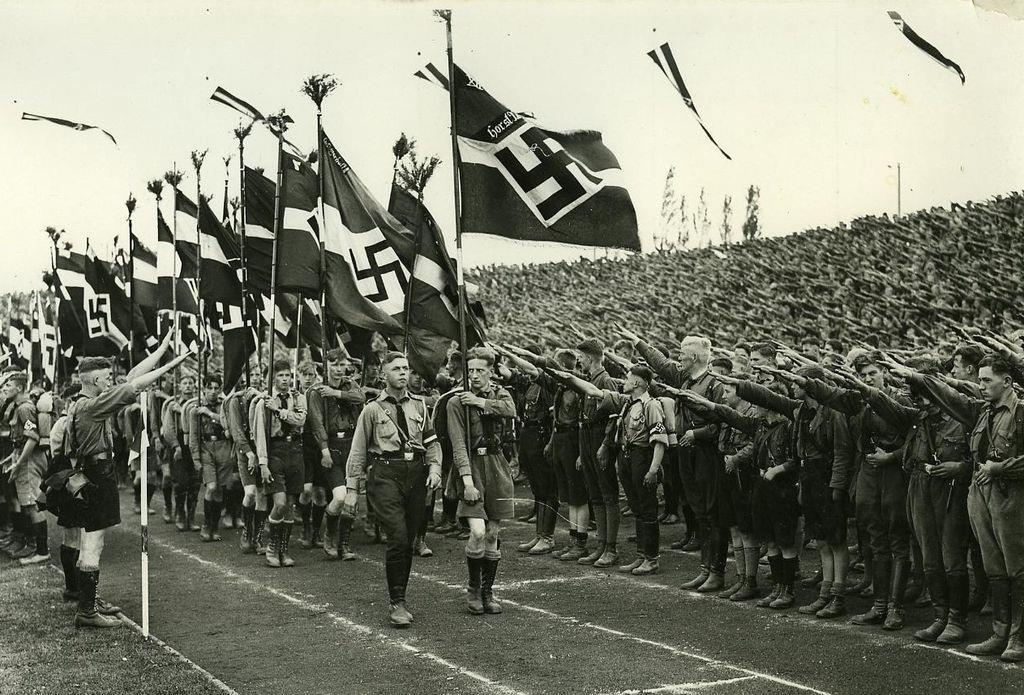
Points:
(321, 628)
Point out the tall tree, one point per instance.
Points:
(727, 220)
(751, 226)
(669, 213)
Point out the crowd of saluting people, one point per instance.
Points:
(856, 390)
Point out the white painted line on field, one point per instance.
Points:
(210, 678)
(684, 688)
(675, 651)
(549, 580)
(991, 661)
(360, 629)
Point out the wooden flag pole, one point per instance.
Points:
(317, 87)
(241, 133)
(446, 16)
(197, 164)
(144, 506)
(280, 124)
(130, 204)
(173, 177)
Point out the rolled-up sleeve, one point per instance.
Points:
(356, 464)
(657, 432)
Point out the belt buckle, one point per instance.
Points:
(481, 451)
(408, 455)
(339, 435)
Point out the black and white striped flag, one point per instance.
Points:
(67, 124)
(666, 62)
(223, 96)
(931, 50)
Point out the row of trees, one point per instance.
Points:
(681, 228)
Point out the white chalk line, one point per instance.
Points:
(363, 630)
(210, 678)
(684, 688)
(991, 661)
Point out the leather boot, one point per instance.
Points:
(628, 569)
(344, 533)
(836, 605)
(1015, 645)
(999, 593)
(211, 521)
(398, 615)
(775, 563)
(179, 517)
(543, 546)
(609, 557)
(88, 615)
(865, 582)
(824, 596)
(191, 501)
(474, 601)
(786, 597)
(525, 547)
(748, 590)
(271, 554)
(488, 572)
(881, 580)
(979, 594)
(959, 599)
(420, 547)
(331, 536)
(306, 530)
(938, 590)
(259, 524)
(273, 534)
(897, 595)
(284, 537)
(740, 559)
(648, 566)
(593, 556)
(731, 589)
(714, 582)
(69, 562)
(245, 538)
(699, 580)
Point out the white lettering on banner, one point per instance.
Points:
(98, 315)
(508, 120)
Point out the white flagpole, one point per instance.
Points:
(144, 504)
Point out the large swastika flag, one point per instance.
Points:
(523, 181)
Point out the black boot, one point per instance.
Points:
(305, 513)
(179, 509)
(787, 597)
(191, 500)
(317, 524)
(273, 540)
(285, 538)
(938, 590)
(474, 602)
(168, 492)
(897, 594)
(490, 569)
(344, 532)
(999, 592)
(247, 538)
(69, 562)
(88, 615)
(959, 599)
(261, 532)
(211, 521)
(775, 564)
(881, 580)
(331, 537)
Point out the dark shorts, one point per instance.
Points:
(183, 470)
(218, 463)
(492, 476)
(330, 478)
(101, 507)
(775, 510)
(572, 487)
(242, 463)
(286, 467)
(602, 483)
(824, 517)
(734, 507)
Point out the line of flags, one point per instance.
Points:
(346, 265)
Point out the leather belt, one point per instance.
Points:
(565, 428)
(486, 451)
(285, 438)
(396, 457)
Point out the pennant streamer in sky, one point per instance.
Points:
(666, 62)
(66, 124)
(223, 96)
(523, 181)
(931, 50)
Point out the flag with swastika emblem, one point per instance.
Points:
(523, 181)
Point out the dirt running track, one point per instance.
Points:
(321, 628)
